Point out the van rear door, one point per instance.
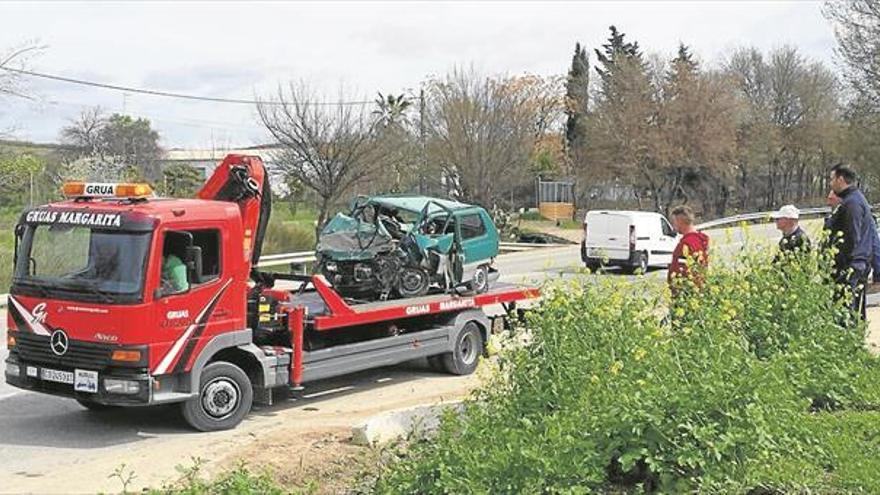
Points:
(608, 235)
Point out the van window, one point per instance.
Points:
(666, 228)
(471, 226)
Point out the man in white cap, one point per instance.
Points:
(793, 236)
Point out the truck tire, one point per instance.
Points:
(225, 397)
(467, 348)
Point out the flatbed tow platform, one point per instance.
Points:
(332, 336)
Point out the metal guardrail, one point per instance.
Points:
(763, 215)
(309, 256)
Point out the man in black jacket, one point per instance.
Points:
(851, 232)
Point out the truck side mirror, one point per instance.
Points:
(19, 233)
(194, 264)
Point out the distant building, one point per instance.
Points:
(206, 160)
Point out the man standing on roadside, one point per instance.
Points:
(794, 239)
(692, 248)
(853, 235)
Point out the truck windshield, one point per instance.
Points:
(76, 262)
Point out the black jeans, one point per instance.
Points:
(852, 285)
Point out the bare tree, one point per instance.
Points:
(482, 132)
(857, 29)
(11, 62)
(329, 149)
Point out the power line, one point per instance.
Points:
(168, 94)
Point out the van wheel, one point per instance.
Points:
(480, 283)
(225, 397)
(465, 355)
(592, 264)
(640, 265)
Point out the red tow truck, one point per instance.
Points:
(120, 298)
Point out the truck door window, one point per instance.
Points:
(175, 276)
(175, 273)
(209, 241)
(471, 226)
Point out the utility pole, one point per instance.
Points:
(422, 144)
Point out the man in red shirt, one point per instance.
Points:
(693, 247)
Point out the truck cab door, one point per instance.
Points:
(190, 309)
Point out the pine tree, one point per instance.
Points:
(577, 88)
(616, 48)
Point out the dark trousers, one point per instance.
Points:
(852, 287)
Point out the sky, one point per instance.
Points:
(350, 49)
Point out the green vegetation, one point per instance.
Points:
(238, 481)
(752, 385)
(290, 230)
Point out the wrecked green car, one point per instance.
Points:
(405, 246)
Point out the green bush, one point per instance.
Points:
(718, 397)
(286, 237)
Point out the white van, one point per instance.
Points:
(633, 240)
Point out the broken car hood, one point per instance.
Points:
(345, 238)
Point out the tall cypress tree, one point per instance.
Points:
(577, 87)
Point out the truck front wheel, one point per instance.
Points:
(225, 397)
(465, 355)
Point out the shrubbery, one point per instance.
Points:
(751, 385)
(284, 237)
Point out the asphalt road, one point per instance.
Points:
(51, 444)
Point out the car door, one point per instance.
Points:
(478, 244)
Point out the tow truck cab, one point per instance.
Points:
(91, 314)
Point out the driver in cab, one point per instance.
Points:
(174, 279)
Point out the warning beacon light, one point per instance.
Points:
(106, 190)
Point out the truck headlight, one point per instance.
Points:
(13, 370)
(116, 386)
(330, 266)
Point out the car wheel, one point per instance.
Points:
(413, 282)
(592, 264)
(225, 397)
(465, 356)
(95, 406)
(480, 283)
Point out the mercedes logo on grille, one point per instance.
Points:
(59, 342)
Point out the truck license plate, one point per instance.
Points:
(56, 376)
(86, 381)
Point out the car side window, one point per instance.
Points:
(666, 228)
(471, 226)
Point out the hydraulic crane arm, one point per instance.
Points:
(243, 180)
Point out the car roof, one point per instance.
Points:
(417, 203)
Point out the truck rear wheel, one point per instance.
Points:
(225, 397)
(465, 355)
